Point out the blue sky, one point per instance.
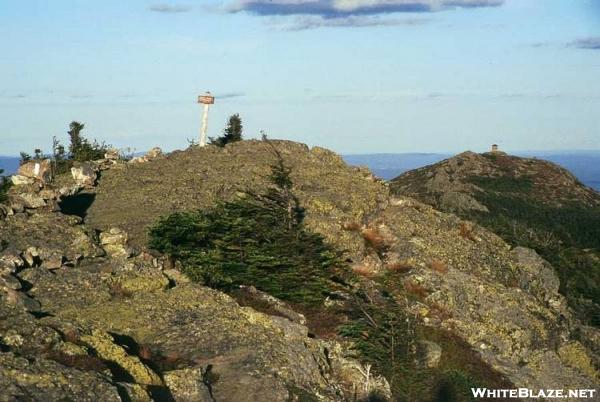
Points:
(356, 76)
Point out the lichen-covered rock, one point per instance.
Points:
(29, 200)
(85, 174)
(114, 242)
(278, 306)
(52, 232)
(187, 385)
(19, 299)
(124, 325)
(503, 302)
(24, 379)
(112, 154)
(154, 153)
(190, 327)
(40, 170)
(19, 180)
(108, 350)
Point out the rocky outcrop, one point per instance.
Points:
(150, 155)
(221, 173)
(39, 170)
(112, 155)
(114, 242)
(120, 327)
(87, 301)
(504, 303)
(19, 180)
(85, 174)
(448, 184)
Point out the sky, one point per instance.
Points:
(355, 76)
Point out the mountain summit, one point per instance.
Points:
(528, 202)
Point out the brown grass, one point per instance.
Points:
(439, 311)
(415, 289)
(81, 362)
(145, 352)
(71, 335)
(465, 230)
(351, 226)
(324, 323)
(117, 291)
(438, 266)
(374, 239)
(400, 267)
(364, 271)
(160, 360)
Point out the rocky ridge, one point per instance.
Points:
(117, 321)
(447, 185)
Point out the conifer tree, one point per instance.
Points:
(74, 132)
(231, 133)
(4, 184)
(256, 239)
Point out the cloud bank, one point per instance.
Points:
(347, 8)
(169, 9)
(592, 43)
(305, 22)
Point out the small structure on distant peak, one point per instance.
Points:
(207, 99)
(494, 147)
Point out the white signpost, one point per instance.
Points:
(207, 99)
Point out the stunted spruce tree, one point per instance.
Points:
(231, 133)
(4, 184)
(256, 239)
(80, 148)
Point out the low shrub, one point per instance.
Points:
(438, 266)
(117, 291)
(415, 289)
(466, 231)
(400, 267)
(4, 186)
(351, 226)
(374, 240)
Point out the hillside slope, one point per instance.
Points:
(528, 202)
(467, 308)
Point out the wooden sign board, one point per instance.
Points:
(206, 99)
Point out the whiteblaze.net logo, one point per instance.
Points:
(486, 393)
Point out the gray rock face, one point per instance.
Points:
(114, 242)
(457, 201)
(38, 170)
(536, 276)
(30, 200)
(19, 180)
(46, 380)
(85, 174)
(504, 303)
